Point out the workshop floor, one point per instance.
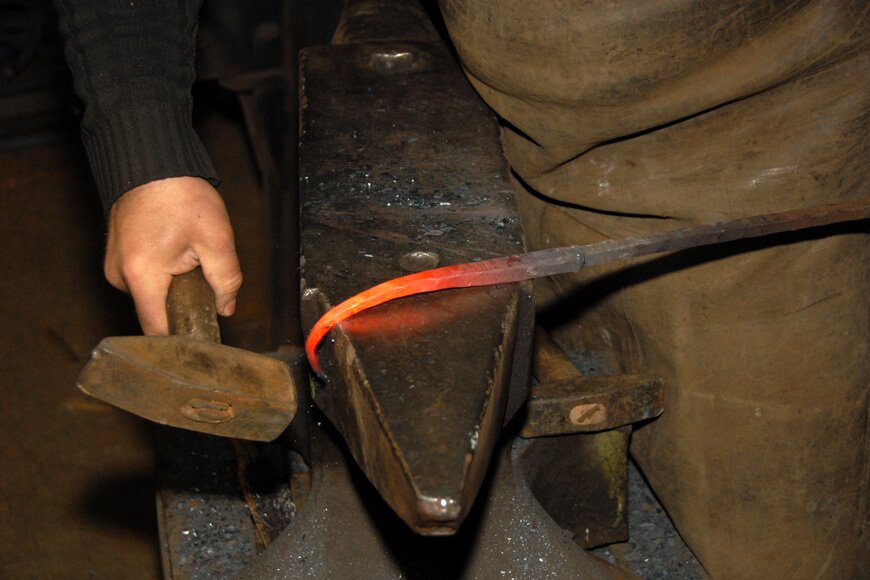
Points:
(76, 482)
(75, 486)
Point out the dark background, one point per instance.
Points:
(76, 475)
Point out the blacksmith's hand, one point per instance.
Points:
(163, 229)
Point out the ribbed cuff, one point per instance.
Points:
(143, 143)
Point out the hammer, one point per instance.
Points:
(189, 379)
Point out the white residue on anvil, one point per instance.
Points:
(475, 438)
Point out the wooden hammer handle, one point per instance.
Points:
(190, 307)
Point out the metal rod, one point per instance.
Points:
(574, 258)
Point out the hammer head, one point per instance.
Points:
(193, 384)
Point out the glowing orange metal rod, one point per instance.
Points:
(530, 265)
(484, 273)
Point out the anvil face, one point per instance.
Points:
(401, 170)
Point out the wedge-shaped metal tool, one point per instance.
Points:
(190, 380)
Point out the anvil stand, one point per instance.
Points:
(221, 503)
(344, 529)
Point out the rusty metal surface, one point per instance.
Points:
(190, 380)
(402, 170)
(581, 478)
(193, 384)
(566, 400)
(588, 404)
(346, 531)
(726, 231)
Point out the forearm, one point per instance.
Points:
(132, 61)
(133, 68)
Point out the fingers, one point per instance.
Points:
(147, 285)
(166, 228)
(149, 295)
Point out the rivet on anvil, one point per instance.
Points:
(418, 261)
(588, 414)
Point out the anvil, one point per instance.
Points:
(420, 391)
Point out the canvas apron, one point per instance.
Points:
(621, 119)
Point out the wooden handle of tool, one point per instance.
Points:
(550, 363)
(191, 309)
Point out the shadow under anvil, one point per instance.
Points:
(345, 530)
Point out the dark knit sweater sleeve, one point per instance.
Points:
(132, 61)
